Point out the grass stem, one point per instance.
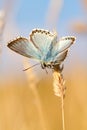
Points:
(62, 104)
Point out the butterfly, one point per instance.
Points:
(43, 46)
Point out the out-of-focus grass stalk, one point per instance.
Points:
(53, 13)
(1, 27)
(84, 4)
(32, 82)
(4, 14)
(59, 90)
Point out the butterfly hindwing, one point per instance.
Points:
(60, 57)
(24, 47)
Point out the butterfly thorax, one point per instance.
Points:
(52, 65)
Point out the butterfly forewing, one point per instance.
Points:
(62, 45)
(42, 39)
(24, 47)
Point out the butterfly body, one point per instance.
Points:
(43, 46)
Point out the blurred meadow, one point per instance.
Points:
(27, 100)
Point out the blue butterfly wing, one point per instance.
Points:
(63, 44)
(24, 47)
(42, 39)
(60, 57)
(60, 49)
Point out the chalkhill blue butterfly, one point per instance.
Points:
(43, 46)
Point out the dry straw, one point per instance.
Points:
(53, 13)
(59, 90)
(59, 82)
(32, 83)
(4, 14)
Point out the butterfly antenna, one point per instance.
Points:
(31, 67)
(46, 71)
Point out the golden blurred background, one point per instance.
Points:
(27, 100)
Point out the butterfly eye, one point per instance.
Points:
(43, 65)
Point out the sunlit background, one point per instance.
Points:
(27, 100)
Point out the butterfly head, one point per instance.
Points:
(45, 65)
(53, 66)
